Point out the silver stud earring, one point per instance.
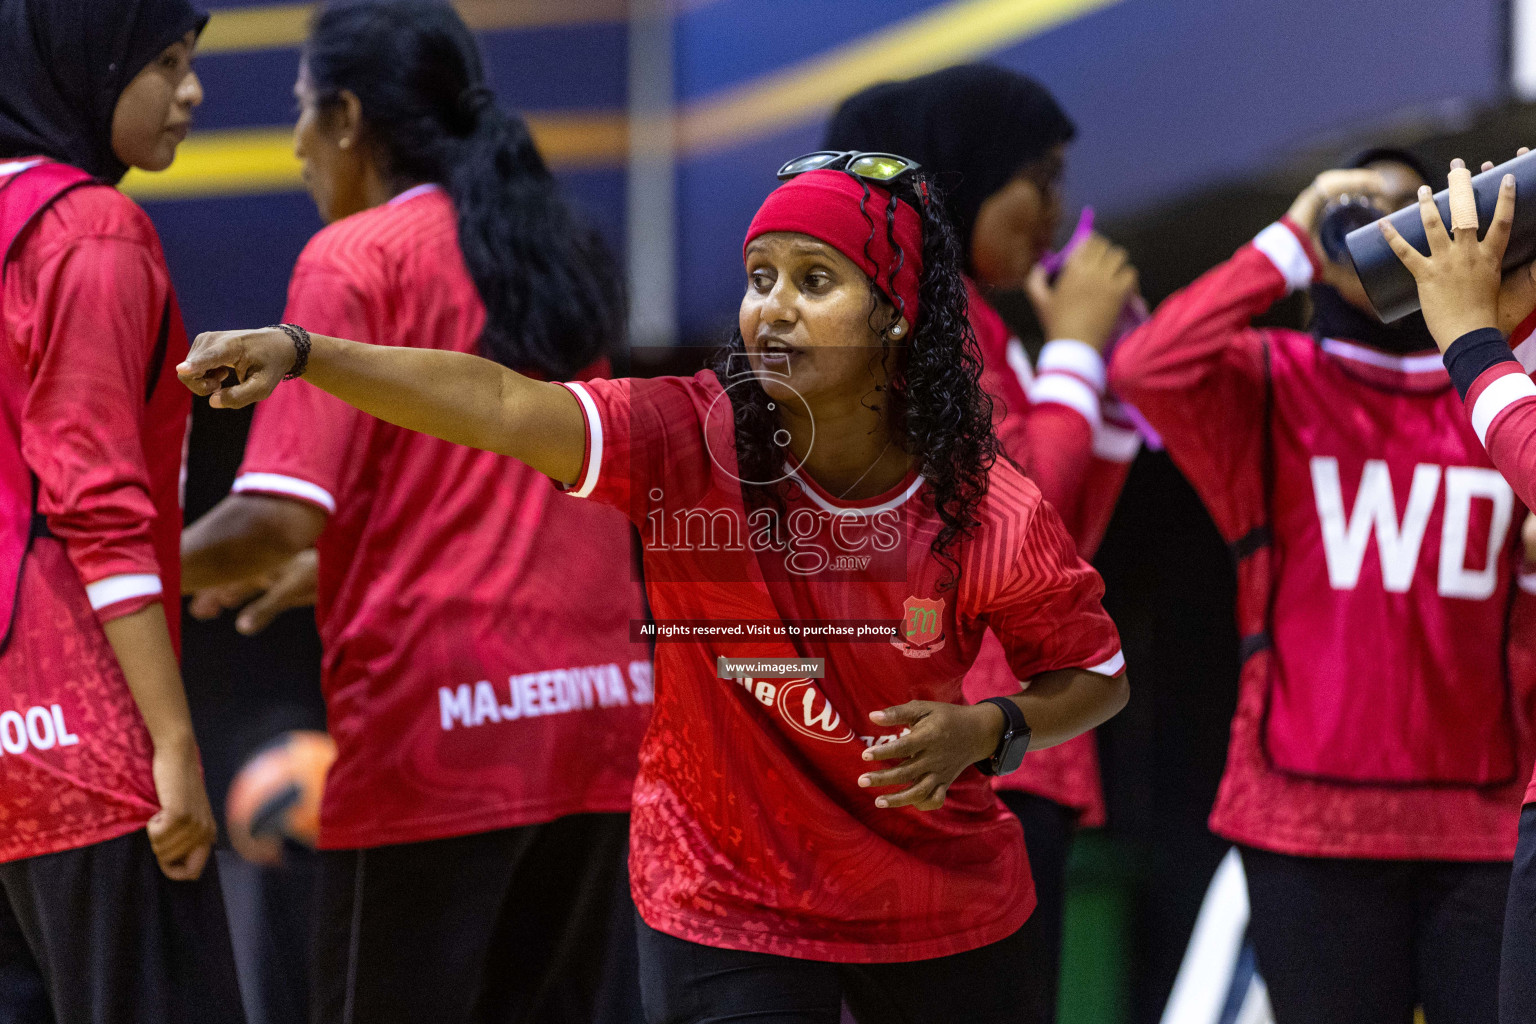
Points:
(897, 330)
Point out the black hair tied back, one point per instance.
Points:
(473, 102)
(553, 294)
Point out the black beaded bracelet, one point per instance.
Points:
(301, 344)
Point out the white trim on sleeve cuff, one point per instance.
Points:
(1018, 361)
(588, 482)
(1116, 444)
(1496, 397)
(1113, 667)
(1526, 353)
(1068, 355)
(286, 486)
(1064, 389)
(1284, 250)
(17, 166)
(123, 587)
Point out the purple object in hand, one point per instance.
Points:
(1132, 316)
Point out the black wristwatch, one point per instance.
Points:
(1015, 742)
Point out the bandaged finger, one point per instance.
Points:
(1463, 200)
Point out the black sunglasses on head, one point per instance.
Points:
(878, 167)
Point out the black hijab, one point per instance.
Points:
(973, 126)
(66, 62)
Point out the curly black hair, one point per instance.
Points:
(938, 413)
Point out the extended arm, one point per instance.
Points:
(451, 395)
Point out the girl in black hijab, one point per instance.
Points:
(110, 909)
(997, 140)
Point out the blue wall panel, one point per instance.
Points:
(247, 90)
(231, 257)
(1173, 94)
(547, 69)
(729, 42)
(717, 196)
(1169, 95)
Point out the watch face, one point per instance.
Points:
(1012, 755)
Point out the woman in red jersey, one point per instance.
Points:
(1380, 745)
(1002, 138)
(1470, 306)
(827, 537)
(106, 910)
(481, 684)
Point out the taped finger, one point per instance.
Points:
(1463, 200)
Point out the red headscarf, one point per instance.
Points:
(830, 206)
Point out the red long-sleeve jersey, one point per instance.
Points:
(1376, 557)
(91, 338)
(1500, 402)
(1052, 420)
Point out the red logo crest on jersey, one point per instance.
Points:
(922, 627)
(808, 712)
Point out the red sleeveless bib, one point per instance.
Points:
(1394, 555)
(27, 188)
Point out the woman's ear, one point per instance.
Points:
(349, 119)
(899, 329)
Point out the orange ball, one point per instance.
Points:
(276, 795)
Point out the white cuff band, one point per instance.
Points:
(588, 482)
(1284, 250)
(1526, 353)
(284, 486)
(1116, 444)
(1113, 667)
(1067, 355)
(1497, 397)
(1064, 389)
(123, 587)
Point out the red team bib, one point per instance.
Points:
(1396, 557)
(74, 753)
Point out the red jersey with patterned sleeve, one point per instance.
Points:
(1377, 714)
(1501, 406)
(478, 670)
(750, 830)
(92, 334)
(1052, 422)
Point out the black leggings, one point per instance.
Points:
(97, 935)
(685, 983)
(1365, 941)
(1517, 974)
(1048, 828)
(524, 925)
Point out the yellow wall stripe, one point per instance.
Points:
(223, 163)
(241, 29)
(245, 162)
(948, 34)
(255, 28)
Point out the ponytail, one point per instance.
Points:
(553, 294)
